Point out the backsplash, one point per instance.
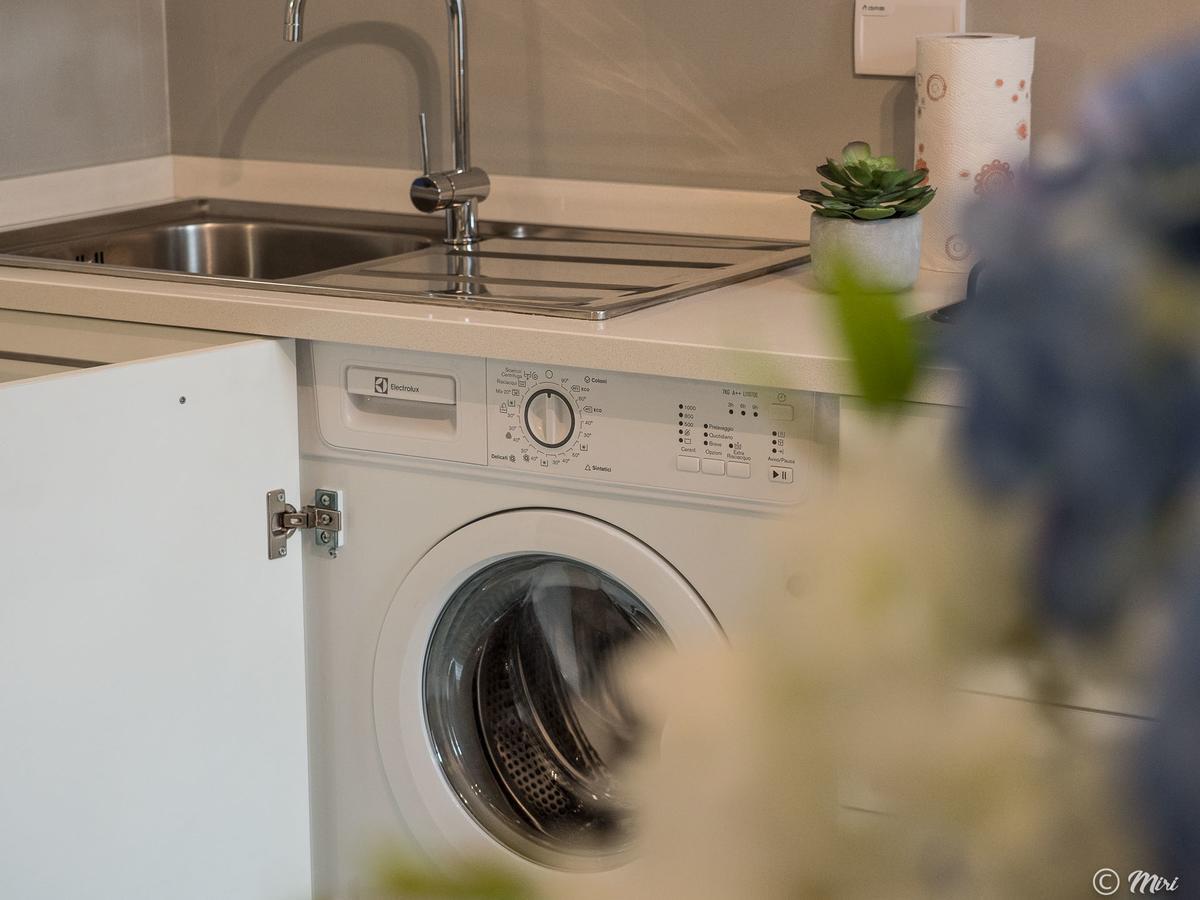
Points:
(687, 92)
(694, 92)
(84, 83)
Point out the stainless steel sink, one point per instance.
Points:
(578, 273)
(214, 239)
(264, 250)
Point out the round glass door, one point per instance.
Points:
(525, 707)
(501, 717)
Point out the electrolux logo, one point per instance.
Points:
(387, 387)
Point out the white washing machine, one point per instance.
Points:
(513, 529)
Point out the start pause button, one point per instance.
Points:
(781, 475)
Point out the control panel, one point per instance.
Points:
(696, 436)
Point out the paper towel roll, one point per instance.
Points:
(973, 129)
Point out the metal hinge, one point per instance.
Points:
(323, 518)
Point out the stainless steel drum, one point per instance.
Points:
(525, 706)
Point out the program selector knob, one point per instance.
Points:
(550, 418)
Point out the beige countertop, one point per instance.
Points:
(775, 330)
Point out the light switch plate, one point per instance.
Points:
(885, 31)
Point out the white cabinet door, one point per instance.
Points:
(152, 695)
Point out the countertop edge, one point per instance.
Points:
(506, 336)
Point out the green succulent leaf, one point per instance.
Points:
(856, 151)
(909, 181)
(893, 179)
(903, 195)
(832, 213)
(850, 195)
(875, 213)
(860, 173)
(914, 206)
(835, 172)
(816, 198)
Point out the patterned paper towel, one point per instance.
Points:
(973, 127)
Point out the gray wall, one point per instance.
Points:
(82, 82)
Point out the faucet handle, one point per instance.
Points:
(435, 191)
(425, 167)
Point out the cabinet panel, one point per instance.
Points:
(920, 428)
(152, 687)
(924, 432)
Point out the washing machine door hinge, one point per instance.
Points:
(323, 518)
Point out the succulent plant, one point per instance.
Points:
(868, 187)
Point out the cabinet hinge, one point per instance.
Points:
(323, 518)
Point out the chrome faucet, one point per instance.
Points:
(458, 191)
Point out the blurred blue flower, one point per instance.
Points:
(1076, 395)
(1147, 126)
(1081, 360)
(1147, 117)
(1074, 400)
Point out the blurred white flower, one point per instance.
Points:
(832, 752)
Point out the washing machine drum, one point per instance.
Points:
(526, 708)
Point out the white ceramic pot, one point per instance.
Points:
(885, 254)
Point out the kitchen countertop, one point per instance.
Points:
(775, 330)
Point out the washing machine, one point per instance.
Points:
(513, 531)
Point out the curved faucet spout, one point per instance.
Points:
(460, 191)
(459, 102)
(293, 23)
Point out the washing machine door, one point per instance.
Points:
(501, 710)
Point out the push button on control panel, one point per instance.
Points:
(781, 475)
(687, 464)
(713, 466)
(781, 412)
(737, 470)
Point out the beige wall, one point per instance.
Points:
(700, 92)
(82, 82)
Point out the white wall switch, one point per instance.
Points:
(885, 31)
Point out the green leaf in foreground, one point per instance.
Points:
(879, 339)
(405, 878)
(874, 213)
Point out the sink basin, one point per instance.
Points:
(210, 239)
(232, 249)
(547, 270)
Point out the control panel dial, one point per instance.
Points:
(550, 418)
